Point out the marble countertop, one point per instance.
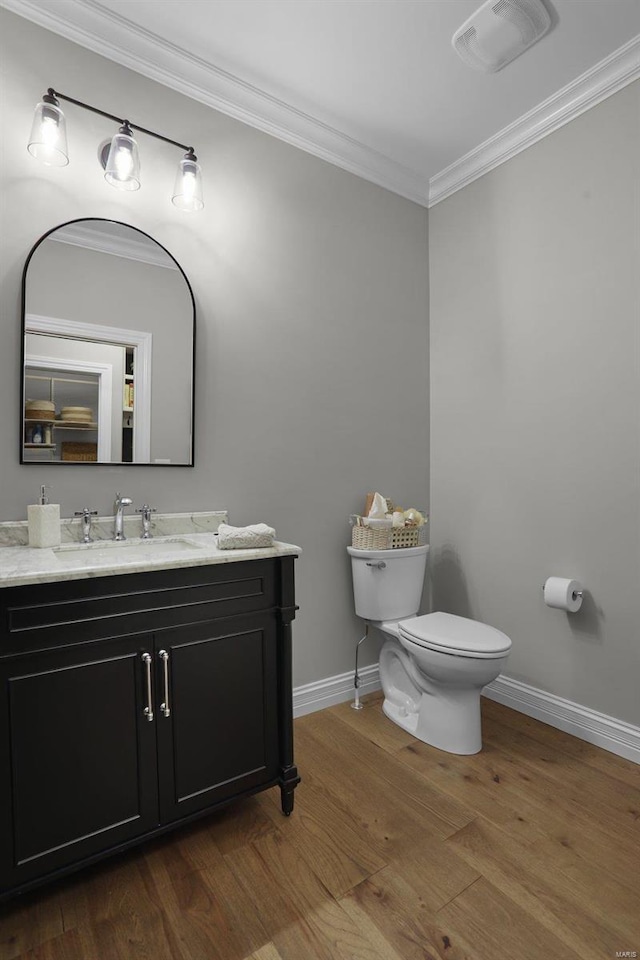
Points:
(21, 565)
(179, 540)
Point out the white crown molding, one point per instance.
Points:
(603, 80)
(93, 239)
(613, 735)
(108, 34)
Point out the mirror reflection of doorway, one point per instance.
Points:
(128, 405)
(124, 419)
(67, 409)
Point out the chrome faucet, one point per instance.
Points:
(146, 512)
(119, 505)
(86, 515)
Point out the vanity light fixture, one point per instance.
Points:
(119, 157)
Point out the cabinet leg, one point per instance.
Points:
(286, 799)
(288, 782)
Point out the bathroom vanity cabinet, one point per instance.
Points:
(132, 703)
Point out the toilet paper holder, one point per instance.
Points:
(575, 594)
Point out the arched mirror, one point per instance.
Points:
(108, 349)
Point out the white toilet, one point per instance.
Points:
(432, 668)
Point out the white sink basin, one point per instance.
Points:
(121, 551)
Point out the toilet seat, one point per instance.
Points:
(456, 636)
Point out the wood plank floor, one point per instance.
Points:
(395, 851)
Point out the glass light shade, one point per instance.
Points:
(187, 192)
(123, 163)
(48, 140)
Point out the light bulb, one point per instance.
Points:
(188, 186)
(123, 163)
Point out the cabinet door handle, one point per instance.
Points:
(164, 656)
(148, 710)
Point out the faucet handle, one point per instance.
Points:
(146, 512)
(86, 515)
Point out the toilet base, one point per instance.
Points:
(399, 715)
(456, 730)
(444, 715)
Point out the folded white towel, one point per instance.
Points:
(243, 538)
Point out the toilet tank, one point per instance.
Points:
(392, 591)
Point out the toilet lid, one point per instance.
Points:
(458, 635)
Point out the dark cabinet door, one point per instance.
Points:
(220, 736)
(77, 755)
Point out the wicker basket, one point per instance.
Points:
(42, 416)
(387, 538)
(39, 410)
(72, 451)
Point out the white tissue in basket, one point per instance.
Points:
(373, 522)
(378, 508)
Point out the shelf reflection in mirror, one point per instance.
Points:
(108, 341)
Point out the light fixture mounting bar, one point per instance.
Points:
(120, 120)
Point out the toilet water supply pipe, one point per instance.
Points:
(356, 705)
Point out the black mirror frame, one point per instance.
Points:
(82, 463)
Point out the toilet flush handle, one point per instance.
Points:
(379, 565)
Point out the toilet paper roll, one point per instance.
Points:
(563, 594)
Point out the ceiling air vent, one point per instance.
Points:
(499, 31)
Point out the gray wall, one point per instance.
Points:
(535, 404)
(311, 291)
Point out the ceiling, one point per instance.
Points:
(373, 85)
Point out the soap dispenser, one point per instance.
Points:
(44, 522)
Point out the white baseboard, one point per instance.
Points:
(332, 690)
(613, 735)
